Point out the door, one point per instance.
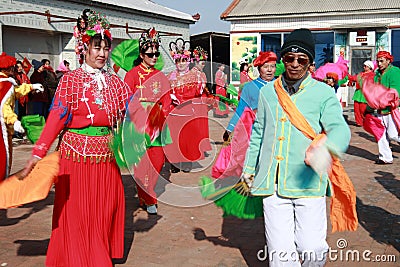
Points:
(357, 57)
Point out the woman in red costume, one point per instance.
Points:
(221, 109)
(202, 103)
(244, 73)
(152, 100)
(89, 205)
(182, 120)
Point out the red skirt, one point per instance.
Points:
(202, 131)
(183, 125)
(89, 212)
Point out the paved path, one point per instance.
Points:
(199, 236)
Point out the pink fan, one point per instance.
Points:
(340, 68)
(380, 97)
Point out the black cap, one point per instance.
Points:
(36, 64)
(300, 41)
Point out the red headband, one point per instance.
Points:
(385, 54)
(264, 57)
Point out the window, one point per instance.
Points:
(271, 42)
(324, 48)
(396, 47)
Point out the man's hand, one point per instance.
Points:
(318, 157)
(18, 127)
(248, 179)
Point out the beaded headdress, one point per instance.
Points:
(199, 54)
(180, 49)
(151, 37)
(89, 24)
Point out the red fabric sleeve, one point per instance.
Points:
(54, 124)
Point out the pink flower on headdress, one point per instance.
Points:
(97, 28)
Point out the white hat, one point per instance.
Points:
(369, 64)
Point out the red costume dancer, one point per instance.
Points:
(201, 104)
(221, 109)
(21, 77)
(182, 120)
(89, 206)
(12, 91)
(6, 90)
(244, 73)
(152, 95)
(360, 103)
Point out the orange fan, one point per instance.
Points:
(15, 191)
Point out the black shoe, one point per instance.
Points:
(174, 169)
(381, 162)
(186, 166)
(187, 169)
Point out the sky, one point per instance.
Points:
(209, 10)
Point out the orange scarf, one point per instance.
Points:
(343, 213)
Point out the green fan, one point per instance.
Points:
(231, 89)
(128, 144)
(233, 101)
(126, 52)
(235, 200)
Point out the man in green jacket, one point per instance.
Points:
(389, 76)
(294, 203)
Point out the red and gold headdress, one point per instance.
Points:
(149, 38)
(89, 24)
(7, 61)
(199, 54)
(180, 49)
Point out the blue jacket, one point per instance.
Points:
(248, 98)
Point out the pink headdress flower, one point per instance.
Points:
(89, 24)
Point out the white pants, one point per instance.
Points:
(385, 153)
(295, 228)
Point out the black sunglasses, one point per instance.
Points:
(150, 55)
(290, 59)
